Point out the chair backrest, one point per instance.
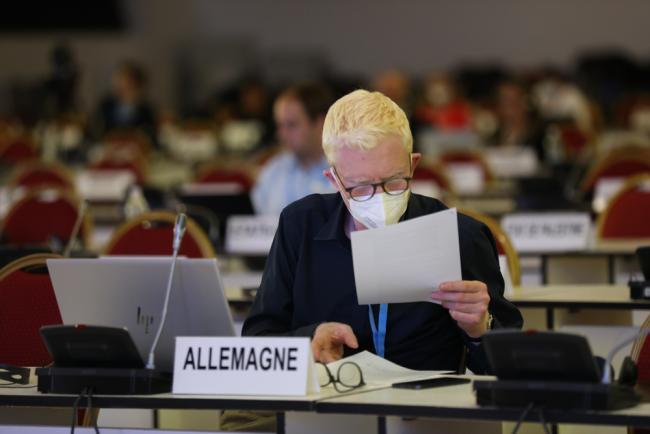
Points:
(130, 140)
(17, 150)
(433, 171)
(43, 214)
(618, 163)
(135, 165)
(220, 173)
(151, 233)
(503, 243)
(28, 302)
(38, 174)
(627, 215)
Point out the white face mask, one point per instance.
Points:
(380, 210)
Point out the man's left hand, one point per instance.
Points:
(467, 302)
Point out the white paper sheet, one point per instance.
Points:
(378, 371)
(405, 262)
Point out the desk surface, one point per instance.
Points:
(459, 402)
(585, 296)
(30, 397)
(452, 402)
(599, 248)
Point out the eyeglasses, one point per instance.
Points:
(364, 192)
(348, 376)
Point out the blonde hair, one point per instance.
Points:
(362, 119)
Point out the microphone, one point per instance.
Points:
(179, 232)
(81, 214)
(606, 371)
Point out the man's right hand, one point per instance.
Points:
(329, 338)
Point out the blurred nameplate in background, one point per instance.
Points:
(104, 185)
(467, 178)
(512, 162)
(548, 232)
(250, 235)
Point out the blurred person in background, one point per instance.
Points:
(243, 115)
(517, 122)
(60, 87)
(299, 113)
(127, 108)
(442, 107)
(396, 86)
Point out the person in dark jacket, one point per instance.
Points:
(308, 286)
(127, 108)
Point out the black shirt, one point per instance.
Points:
(309, 280)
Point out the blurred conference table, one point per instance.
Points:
(240, 289)
(551, 297)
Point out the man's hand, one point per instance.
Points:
(467, 302)
(329, 338)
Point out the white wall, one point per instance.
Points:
(358, 36)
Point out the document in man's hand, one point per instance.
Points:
(405, 262)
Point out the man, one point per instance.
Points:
(299, 113)
(308, 285)
(127, 108)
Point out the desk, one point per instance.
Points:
(603, 249)
(459, 402)
(24, 397)
(576, 296)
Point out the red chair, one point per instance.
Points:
(39, 175)
(621, 162)
(128, 140)
(627, 216)
(220, 173)
(151, 233)
(28, 302)
(135, 165)
(434, 172)
(574, 140)
(17, 150)
(41, 215)
(503, 243)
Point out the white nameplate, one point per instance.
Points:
(104, 185)
(467, 178)
(548, 232)
(244, 366)
(512, 162)
(250, 235)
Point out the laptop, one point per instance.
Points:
(129, 292)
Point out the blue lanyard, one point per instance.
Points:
(379, 336)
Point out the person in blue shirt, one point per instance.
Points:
(299, 113)
(308, 286)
